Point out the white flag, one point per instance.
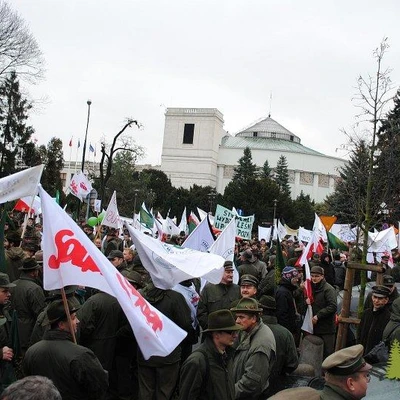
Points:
(225, 246)
(264, 233)
(21, 184)
(168, 264)
(201, 238)
(279, 230)
(80, 185)
(71, 258)
(183, 225)
(307, 325)
(111, 217)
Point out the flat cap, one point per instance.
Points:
(247, 305)
(388, 280)
(115, 254)
(248, 255)
(248, 279)
(317, 270)
(267, 302)
(5, 281)
(346, 361)
(381, 291)
(228, 264)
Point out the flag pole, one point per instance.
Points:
(66, 308)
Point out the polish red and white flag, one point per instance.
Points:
(71, 258)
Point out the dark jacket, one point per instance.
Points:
(285, 306)
(329, 272)
(214, 298)
(333, 392)
(28, 301)
(392, 297)
(173, 305)
(7, 373)
(216, 384)
(255, 355)
(392, 330)
(14, 258)
(74, 369)
(339, 273)
(372, 326)
(100, 318)
(287, 359)
(267, 285)
(324, 307)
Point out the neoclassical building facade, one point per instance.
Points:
(197, 150)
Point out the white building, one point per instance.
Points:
(197, 150)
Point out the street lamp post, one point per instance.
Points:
(275, 203)
(134, 203)
(85, 141)
(211, 197)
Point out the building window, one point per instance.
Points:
(273, 135)
(291, 138)
(188, 134)
(255, 134)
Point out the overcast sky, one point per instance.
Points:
(134, 58)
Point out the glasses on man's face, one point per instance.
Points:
(230, 332)
(367, 376)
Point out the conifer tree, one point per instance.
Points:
(282, 175)
(53, 158)
(393, 365)
(246, 170)
(266, 171)
(14, 131)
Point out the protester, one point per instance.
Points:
(158, 376)
(375, 319)
(14, 255)
(31, 388)
(7, 352)
(208, 371)
(346, 374)
(287, 359)
(389, 282)
(28, 300)
(286, 311)
(248, 286)
(74, 369)
(324, 307)
(392, 329)
(255, 352)
(218, 297)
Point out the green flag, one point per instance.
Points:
(280, 262)
(336, 243)
(146, 218)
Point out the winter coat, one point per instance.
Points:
(7, 373)
(392, 297)
(28, 300)
(14, 258)
(285, 305)
(216, 384)
(173, 305)
(74, 369)
(329, 272)
(372, 326)
(392, 330)
(339, 273)
(257, 268)
(267, 285)
(214, 298)
(100, 318)
(333, 392)
(287, 359)
(255, 355)
(324, 307)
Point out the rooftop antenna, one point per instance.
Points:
(270, 104)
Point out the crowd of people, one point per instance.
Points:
(242, 339)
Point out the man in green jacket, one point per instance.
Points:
(255, 352)
(207, 372)
(346, 374)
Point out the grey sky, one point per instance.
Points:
(133, 58)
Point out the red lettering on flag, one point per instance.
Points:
(71, 250)
(152, 317)
(83, 186)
